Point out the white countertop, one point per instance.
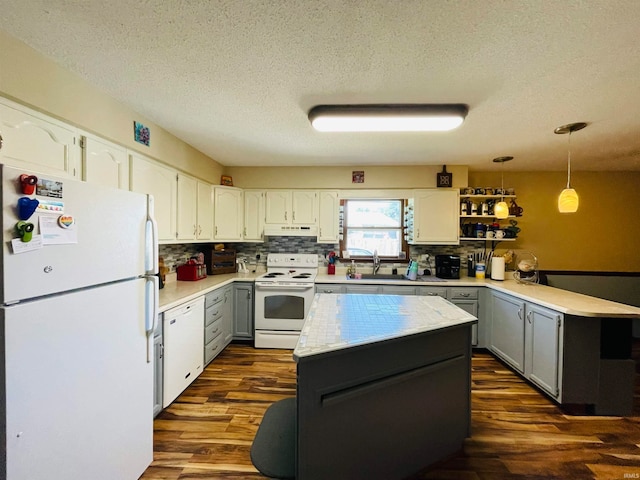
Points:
(338, 321)
(563, 301)
(176, 292)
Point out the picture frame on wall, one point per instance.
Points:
(141, 134)
(226, 180)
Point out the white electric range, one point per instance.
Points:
(283, 297)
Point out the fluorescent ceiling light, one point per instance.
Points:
(387, 118)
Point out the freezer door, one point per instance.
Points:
(110, 227)
(79, 390)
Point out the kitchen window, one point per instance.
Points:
(374, 225)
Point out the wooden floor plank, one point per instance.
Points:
(517, 433)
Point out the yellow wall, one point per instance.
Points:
(30, 78)
(603, 235)
(399, 176)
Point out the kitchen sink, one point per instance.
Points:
(381, 276)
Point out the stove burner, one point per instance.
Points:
(272, 275)
(301, 276)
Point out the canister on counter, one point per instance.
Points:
(481, 269)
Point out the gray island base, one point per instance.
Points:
(383, 385)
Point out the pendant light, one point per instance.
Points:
(568, 200)
(501, 209)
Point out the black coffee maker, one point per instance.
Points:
(448, 266)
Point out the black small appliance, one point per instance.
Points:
(448, 266)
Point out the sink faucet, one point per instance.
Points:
(376, 262)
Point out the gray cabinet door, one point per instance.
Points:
(227, 316)
(470, 306)
(243, 311)
(507, 330)
(543, 347)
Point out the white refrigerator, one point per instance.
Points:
(78, 306)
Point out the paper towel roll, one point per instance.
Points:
(497, 268)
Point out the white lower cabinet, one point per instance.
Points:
(529, 338)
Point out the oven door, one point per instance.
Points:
(282, 307)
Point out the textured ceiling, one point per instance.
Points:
(236, 78)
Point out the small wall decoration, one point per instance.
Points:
(141, 133)
(357, 176)
(444, 179)
(226, 180)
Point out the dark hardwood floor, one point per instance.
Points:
(517, 433)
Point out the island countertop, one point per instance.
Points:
(339, 321)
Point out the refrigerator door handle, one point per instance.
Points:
(152, 301)
(152, 251)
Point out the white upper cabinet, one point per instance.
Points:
(33, 141)
(287, 207)
(435, 217)
(304, 204)
(148, 176)
(328, 217)
(228, 214)
(277, 207)
(253, 215)
(104, 163)
(205, 211)
(187, 214)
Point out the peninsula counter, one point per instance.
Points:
(383, 385)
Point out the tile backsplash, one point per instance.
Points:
(177, 254)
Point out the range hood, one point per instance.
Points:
(290, 231)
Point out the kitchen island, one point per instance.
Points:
(383, 385)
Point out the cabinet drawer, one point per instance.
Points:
(214, 297)
(213, 348)
(464, 293)
(432, 291)
(212, 331)
(330, 288)
(213, 313)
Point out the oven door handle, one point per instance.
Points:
(271, 286)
